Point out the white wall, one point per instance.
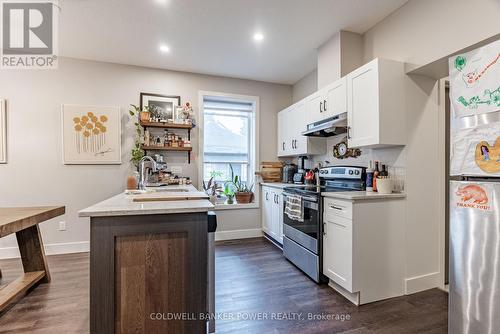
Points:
(419, 32)
(35, 174)
(338, 56)
(329, 68)
(425, 30)
(305, 86)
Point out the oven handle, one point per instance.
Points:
(310, 204)
(304, 198)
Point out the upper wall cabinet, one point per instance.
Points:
(292, 121)
(327, 102)
(376, 105)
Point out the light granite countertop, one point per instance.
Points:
(280, 185)
(362, 195)
(151, 203)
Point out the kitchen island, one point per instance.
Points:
(148, 262)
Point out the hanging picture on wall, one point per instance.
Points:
(91, 135)
(161, 107)
(3, 132)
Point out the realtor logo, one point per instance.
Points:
(29, 39)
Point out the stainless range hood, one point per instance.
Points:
(328, 127)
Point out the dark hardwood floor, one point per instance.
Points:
(253, 279)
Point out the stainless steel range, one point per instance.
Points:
(303, 217)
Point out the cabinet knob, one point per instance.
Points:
(321, 106)
(324, 105)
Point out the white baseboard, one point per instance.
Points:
(50, 249)
(422, 282)
(238, 234)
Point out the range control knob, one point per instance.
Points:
(357, 172)
(351, 172)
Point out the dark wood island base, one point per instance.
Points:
(148, 273)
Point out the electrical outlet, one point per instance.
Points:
(176, 169)
(62, 226)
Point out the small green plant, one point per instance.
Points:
(137, 152)
(229, 193)
(240, 187)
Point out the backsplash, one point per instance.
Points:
(394, 157)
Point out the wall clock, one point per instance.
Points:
(342, 151)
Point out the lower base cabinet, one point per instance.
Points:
(272, 212)
(364, 247)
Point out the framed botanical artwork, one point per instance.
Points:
(162, 107)
(91, 135)
(3, 132)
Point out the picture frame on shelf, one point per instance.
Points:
(3, 131)
(91, 135)
(162, 107)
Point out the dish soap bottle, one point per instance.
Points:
(369, 177)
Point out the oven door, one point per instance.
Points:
(304, 233)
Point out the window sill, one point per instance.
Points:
(236, 206)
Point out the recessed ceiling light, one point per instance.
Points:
(162, 2)
(258, 36)
(164, 48)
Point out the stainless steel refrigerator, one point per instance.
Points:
(474, 297)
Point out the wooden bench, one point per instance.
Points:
(24, 223)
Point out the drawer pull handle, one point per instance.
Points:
(343, 226)
(336, 207)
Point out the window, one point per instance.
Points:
(229, 134)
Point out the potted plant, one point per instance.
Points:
(144, 114)
(229, 193)
(243, 192)
(211, 189)
(137, 151)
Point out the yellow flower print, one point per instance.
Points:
(76, 120)
(86, 133)
(90, 114)
(95, 131)
(78, 128)
(89, 126)
(103, 118)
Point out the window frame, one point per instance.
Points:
(254, 135)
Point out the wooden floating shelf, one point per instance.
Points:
(165, 148)
(170, 149)
(166, 125)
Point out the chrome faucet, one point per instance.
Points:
(142, 171)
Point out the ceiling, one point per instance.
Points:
(213, 36)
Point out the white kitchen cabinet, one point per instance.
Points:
(292, 121)
(364, 247)
(272, 213)
(328, 102)
(335, 98)
(314, 106)
(267, 206)
(338, 245)
(282, 133)
(278, 209)
(376, 105)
